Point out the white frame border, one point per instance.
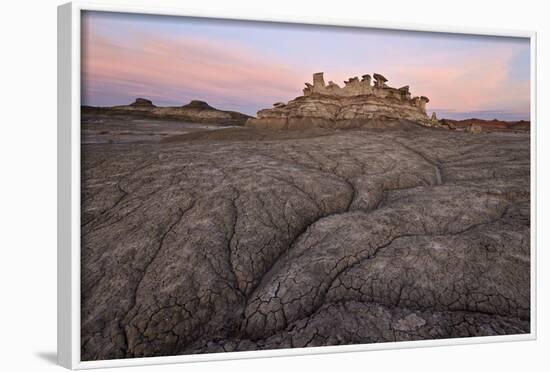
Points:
(68, 297)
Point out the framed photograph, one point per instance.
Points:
(237, 186)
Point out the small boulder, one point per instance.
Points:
(475, 129)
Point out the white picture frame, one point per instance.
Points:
(69, 185)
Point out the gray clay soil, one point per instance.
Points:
(199, 240)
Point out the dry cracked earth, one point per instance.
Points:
(244, 240)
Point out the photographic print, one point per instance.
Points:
(253, 185)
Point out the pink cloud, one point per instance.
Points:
(228, 74)
(467, 81)
(151, 66)
(459, 80)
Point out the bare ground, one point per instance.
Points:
(240, 239)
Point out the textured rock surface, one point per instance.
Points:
(357, 104)
(333, 237)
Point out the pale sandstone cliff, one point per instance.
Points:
(356, 104)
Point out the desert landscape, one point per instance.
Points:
(347, 215)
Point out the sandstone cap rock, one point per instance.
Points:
(379, 77)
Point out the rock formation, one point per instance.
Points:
(142, 102)
(198, 105)
(487, 125)
(195, 112)
(358, 103)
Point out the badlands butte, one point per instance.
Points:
(345, 216)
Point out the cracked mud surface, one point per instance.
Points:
(205, 245)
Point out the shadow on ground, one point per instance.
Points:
(48, 356)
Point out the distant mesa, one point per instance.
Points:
(142, 102)
(198, 105)
(478, 125)
(368, 101)
(195, 111)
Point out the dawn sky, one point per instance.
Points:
(247, 66)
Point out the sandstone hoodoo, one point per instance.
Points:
(358, 103)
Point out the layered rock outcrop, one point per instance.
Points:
(358, 103)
